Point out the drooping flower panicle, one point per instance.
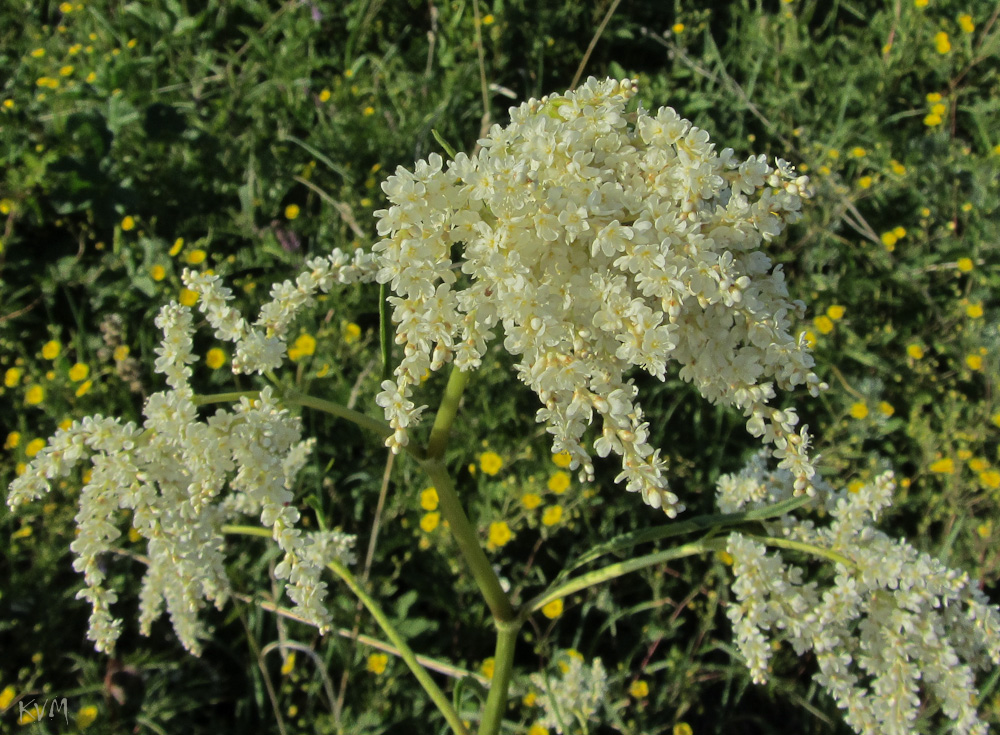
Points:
(172, 474)
(599, 240)
(894, 622)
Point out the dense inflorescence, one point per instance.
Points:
(893, 623)
(599, 240)
(171, 474)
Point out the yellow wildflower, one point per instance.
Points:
(538, 729)
(51, 349)
(289, 665)
(13, 440)
(975, 362)
(932, 120)
(965, 23)
(429, 499)
(974, 311)
(886, 409)
(178, 244)
(552, 515)
(889, 239)
(865, 182)
(7, 696)
(85, 716)
(128, 223)
(639, 689)
(377, 663)
(965, 264)
(682, 728)
(79, 372)
(352, 333)
(553, 610)
(835, 312)
(215, 358)
(915, 351)
(303, 346)
(158, 272)
(34, 395)
(990, 479)
(943, 466)
(897, 168)
(858, 410)
(292, 211)
(196, 257)
(122, 351)
(34, 447)
(84, 388)
(429, 522)
(559, 482)
(563, 459)
(678, 28)
(499, 534)
(488, 19)
(490, 463)
(187, 297)
(487, 667)
(823, 324)
(531, 500)
(12, 377)
(941, 42)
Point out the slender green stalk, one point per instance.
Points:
(503, 666)
(613, 571)
(225, 397)
(247, 531)
(468, 541)
(405, 652)
(802, 546)
(290, 395)
(385, 331)
(691, 525)
(438, 440)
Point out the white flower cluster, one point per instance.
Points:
(574, 695)
(600, 239)
(171, 476)
(894, 622)
(261, 347)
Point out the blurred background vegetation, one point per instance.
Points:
(246, 136)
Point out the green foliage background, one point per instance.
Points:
(137, 136)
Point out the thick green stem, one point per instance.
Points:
(468, 541)
(438, 440)
(503, 667)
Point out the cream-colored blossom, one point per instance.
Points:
(892, 624)
(599, 239)
(173, 476)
